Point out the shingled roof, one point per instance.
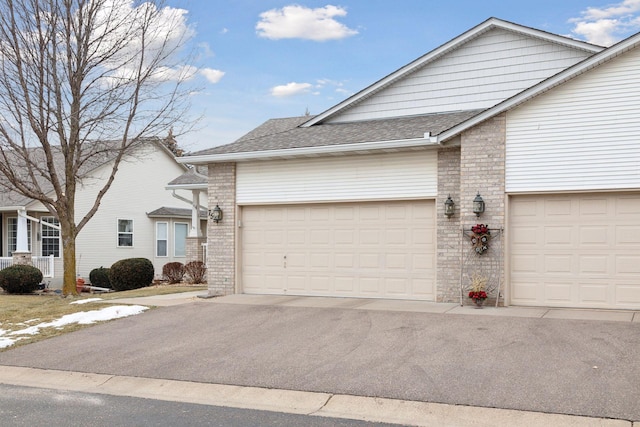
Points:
(279, 134)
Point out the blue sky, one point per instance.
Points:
(264, 59)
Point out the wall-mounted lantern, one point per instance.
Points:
(449, 207)
(215, 214)
(478, 205)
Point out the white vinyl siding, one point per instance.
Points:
(483, 72)
(346, 178)
(582, 135)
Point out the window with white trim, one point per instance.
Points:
(50, 236)
(125, 233)
(180, 230)
(162, 239)
(12, 234)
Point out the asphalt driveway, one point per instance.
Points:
(574, 367)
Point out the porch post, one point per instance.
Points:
(22, 254)
(22, 244)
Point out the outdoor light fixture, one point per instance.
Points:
(215, 214)
(478, 205)
(448, 207)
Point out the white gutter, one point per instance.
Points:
(310, 151)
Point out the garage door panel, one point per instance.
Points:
(560, 292)
(588, 207)
(628, 265)
(627, 294)
(595, 264)
(627, 207)
(373, 250)
(561, 236)
(628, 235)
(588, 255)
(594, 293)
(524, 263)
(558, 264)
(594, 235)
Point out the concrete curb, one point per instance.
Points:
(294, 402)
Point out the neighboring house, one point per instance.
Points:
(351, 202)
(137, 218)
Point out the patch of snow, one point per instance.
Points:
(84, 301)
(82, 318)
(6, 342)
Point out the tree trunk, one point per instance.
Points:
(68, 258)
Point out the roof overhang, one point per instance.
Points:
(325, 150)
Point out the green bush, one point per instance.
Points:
(100, 277)
(131, 273)
(173, 272)
(20, 279)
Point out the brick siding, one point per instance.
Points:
(221, 239)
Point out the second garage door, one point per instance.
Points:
(576, 250)
(371, 250)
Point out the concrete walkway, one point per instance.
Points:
(387, 305)
(214, 370)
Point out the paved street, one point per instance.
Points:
(579, 367)
(36, 407)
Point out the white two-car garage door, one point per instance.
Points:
(371, 250)
(580, 250)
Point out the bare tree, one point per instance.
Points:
(81, 81)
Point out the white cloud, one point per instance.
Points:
(121, 23)
(290, 89)
(608, 25)
(212, 75)
(301, 22)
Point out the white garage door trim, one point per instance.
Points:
(370, 250)
(575, 250)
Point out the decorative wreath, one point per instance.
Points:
(480, 237)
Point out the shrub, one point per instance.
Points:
(131, 273)
(20, 279)
(196, 272)
(173, 272)
(100, 277)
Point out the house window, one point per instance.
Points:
(125, 233)
(50, 236)
(12, 234)
(162, 239)
(180, 238)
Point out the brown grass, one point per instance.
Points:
(21, 311)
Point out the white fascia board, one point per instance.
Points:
(545, 85)
(447, 47)
(12, 208)
(187, 187)
(309, 151)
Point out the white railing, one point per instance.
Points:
(204, 253)
(43, 263)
